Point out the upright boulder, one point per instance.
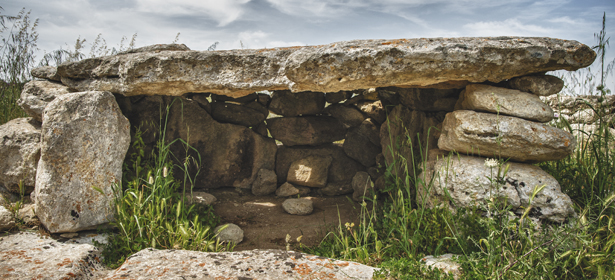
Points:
(37, 94)
(19, 153)
(84, 140)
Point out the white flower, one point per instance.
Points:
(491, 162)
(151, 180)
(164, 172)
(287, 238)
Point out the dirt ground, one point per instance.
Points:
(265, 224)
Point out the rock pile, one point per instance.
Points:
(292, 121)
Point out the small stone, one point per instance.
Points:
(229, 233)
(20, 151)
(200, 198)
(336, 97)
(287, 189)
(27, 215)
(361, 184)
(46, 72)
(350, 116)
(298, 206)
(7, 221)
(311, 171)
(264, 99)
(542, 85)
(373, 109)
(266, 182)
(292, 104)
(261, 129)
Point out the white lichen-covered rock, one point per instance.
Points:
(37, 94)
(19, 153)
(350, 65)
(466, 180)
(255, 264)
(200, 198)
(510, 102)
(84, 140)
(298, 206)
(27, 215)
(29, 256)
(7, 220)
(229, 233)
(490, 135)
(445, 263)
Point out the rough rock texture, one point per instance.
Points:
(373, 110)
(342, 167)
(30, 256)
(46, 72)
(311, 171)
(247, 115)
(350, 116)
(19, 153)
(27, 215)
(229, 233)
(7, 221)
(576, 109)
(310, 130)
(444, 263)
(298, 206)
(349, 65)
(266, 182)
(200, 198)
(485, 98)
(394, 133)
(292, 104)
(231, 155)
(287, 189)
(543, 85)
(427, 99)
(477, 133)
(361, 184)
(363, 143)
(336, 97)
(84, 139)
(159, 48)
(37, 94)
(337, 188)
(256, 264)
(466, 179)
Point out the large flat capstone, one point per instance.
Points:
(256, 264)
(350, 65)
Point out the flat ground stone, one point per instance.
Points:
(465, 179)
(298, 206)
(542, 85)
(310, 130)
(229, 233)
(485, 98)
(350, 65)
(255, 264)
(20, 151)
(27, 255)
(475, 133)
(311, 171)
(84, 139)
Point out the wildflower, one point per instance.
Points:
(165, 172)
(349, 226)
(287, 238)
(299, 238)
(491, 162)
(151, 180)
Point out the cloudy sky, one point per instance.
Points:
(277, 23)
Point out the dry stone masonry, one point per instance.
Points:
(298, 121)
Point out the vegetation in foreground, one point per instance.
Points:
(395, 232)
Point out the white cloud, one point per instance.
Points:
(222, 11)
(509, 27)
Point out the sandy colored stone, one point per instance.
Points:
(510, 102)
(357, 64)
(46, 72)
(311, 171)
(466, 180)
(19, 154)
(37, 94)
(542, 85)
(445, 263)
(373, 109)
(254, 264)
(469, 132)
(7, 220)
(84, 139)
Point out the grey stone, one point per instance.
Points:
(292, 104)
(19, 154)
(84, 140)
(578, 109)
(310, 130)
(336, 97)
(287, 189)
(373, 109)
(490, 135)
(357, 64)
(543, 85)
(158, 48)
(27, 255)
(7, 220)
(255, 264)
(342, 167)
(37, 94)
(350, 116)
(466, 180)
(337, 188)
(298, 206)
(311, 171)
(427, 99)
(445, 263)
(241, 100)
(231, 155)
(46, 72)
(229, 233)
(266, 182)
(238, 114)
(388, 98)
(362, 143)
(510, 102)
(200, 198)
(361, 185)
(27, 215)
